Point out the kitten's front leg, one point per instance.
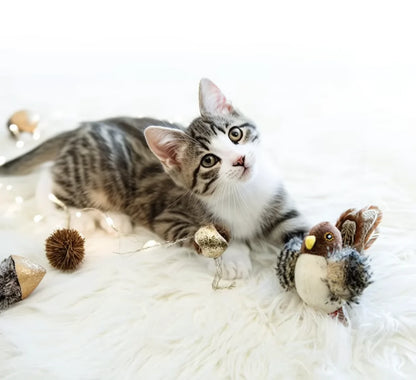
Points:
(236, 262)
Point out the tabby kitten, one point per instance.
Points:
(173, 180)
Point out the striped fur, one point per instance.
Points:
(168, 188)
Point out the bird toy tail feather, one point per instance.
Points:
(359, 229)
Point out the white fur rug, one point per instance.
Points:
(153, 314)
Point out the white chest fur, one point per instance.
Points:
(310, 276)
(241, 210)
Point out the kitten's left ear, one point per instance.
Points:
(167, 144)
(211, 100)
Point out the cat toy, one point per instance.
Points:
(211, 241)
(331, 268)
(65, 249)
(19, 277)
(23, 121)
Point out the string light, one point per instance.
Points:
(14, 130)
(53, 198)
(148, 245)
(17, 199)
(151, 244)
(218, 261)
(37, 218)
(36, 134)
(57, 201)
(110, 222)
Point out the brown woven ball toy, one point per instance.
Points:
(65, 249)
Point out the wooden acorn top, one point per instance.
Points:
(24, 121)
(28, 274)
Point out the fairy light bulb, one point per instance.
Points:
(52, 197)
(37, 218)
(14, 129)
(151, 244)
(110, 222)
(57, 201)
(36, 134)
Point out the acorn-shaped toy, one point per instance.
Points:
(19, 277)
(23, 121)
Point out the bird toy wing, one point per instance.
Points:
(349, 274)
(286, 263)
(359, 229)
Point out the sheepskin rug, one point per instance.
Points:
(339, 141)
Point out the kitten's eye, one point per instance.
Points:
(209, 160)
(235, 134)
(329, 236)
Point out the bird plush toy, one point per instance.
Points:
(331, 269)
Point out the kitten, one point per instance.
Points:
(173, 180)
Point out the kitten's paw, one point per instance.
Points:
(236, 262)
(236, 268)
(82, 222)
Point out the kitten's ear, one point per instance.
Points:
(167, 144)
(211, 100)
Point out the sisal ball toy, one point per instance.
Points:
(19, 277)
(65, 249)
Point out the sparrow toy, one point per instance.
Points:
(331, 269)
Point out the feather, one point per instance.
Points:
(349, 274)
(286, 263)
(359, 229)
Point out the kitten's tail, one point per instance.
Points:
(25, 163)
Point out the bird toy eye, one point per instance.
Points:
(329, 236)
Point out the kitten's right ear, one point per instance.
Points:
(211, 100)
(167, 144)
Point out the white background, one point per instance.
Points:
(291, 66)
(331, 85)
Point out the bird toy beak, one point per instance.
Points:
(310, 241)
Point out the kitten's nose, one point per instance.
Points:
(240, 161)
